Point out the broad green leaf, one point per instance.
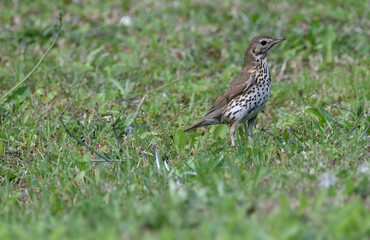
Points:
(180, 139)
(19, 94)
(92, 56)
(317, 114)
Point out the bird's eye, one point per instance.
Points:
(263, 42)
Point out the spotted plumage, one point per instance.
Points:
(248, 93)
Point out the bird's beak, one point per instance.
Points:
(277, 40)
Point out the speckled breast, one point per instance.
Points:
(253, 100)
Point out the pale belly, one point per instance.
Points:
(246, 106)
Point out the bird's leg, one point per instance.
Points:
(251, 123)
(232, 132)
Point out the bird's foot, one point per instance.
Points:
(232, 141)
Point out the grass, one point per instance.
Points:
(307, 177)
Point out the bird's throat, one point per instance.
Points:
(253, 61)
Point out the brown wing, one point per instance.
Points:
(242, 83)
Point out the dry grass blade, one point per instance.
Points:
(40, 61)
(354, 127)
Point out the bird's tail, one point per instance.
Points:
(202, 122)
(211, 118)
(195, 125)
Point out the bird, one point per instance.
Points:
(248, 94)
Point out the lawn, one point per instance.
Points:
(92, 147)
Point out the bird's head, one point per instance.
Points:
(261, 45)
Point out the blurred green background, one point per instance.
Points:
(307, 177)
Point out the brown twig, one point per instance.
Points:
(80, 142)
(117, 138)
(140, 104)
(272, 135)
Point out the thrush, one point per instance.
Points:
(248, 94)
